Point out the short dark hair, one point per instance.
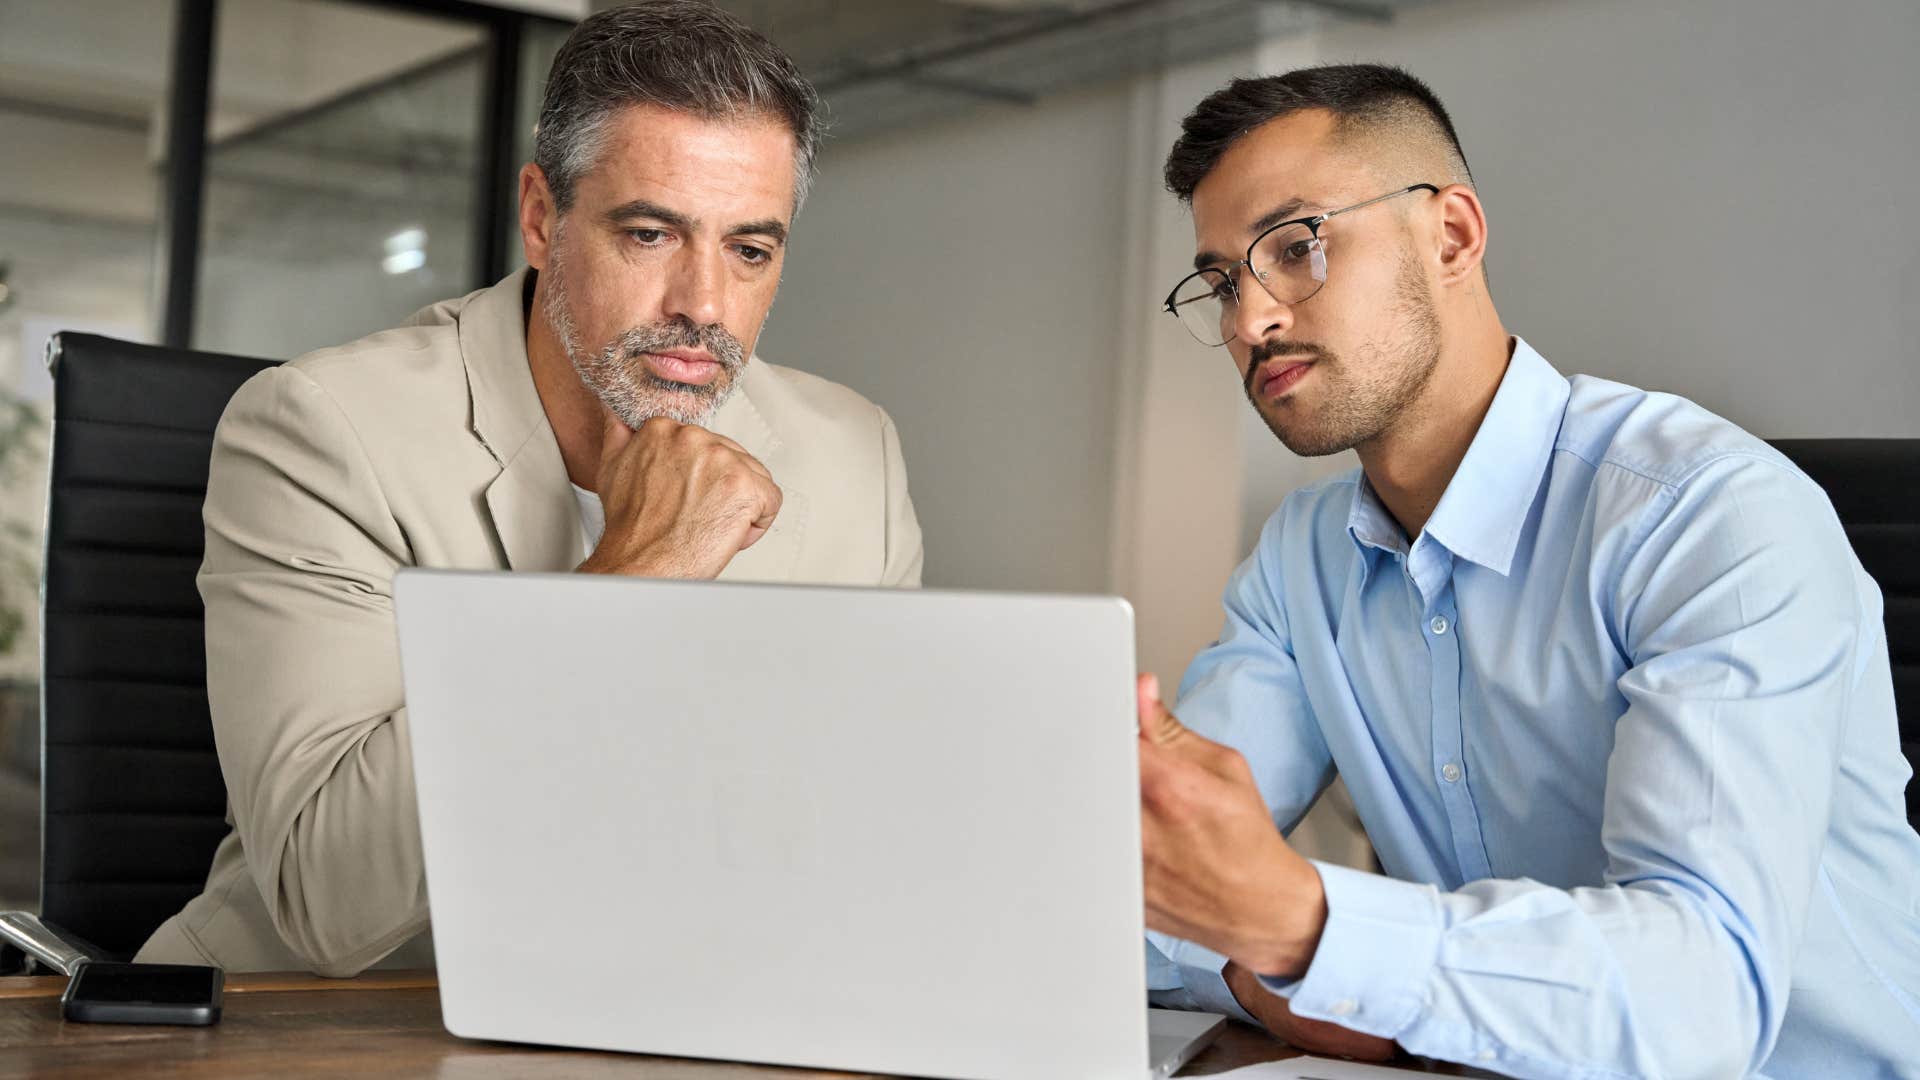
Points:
(679, 54)
(1358, 95)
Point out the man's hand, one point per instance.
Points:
(1218, 872)
(1313, 1036)
(680, 500)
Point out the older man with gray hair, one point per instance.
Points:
(600, 411)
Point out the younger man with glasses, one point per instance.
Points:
(1609, 689)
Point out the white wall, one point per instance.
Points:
(1178, 500)
(992, 282)
(966, 277)
(1714, 198)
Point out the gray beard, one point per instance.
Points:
(618, 375)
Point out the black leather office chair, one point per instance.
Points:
(132, 799)
(1875, 488)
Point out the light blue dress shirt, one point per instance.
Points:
(1620, 725)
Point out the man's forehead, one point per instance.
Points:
(745, 163)
(1294, 159)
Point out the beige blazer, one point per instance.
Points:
(426, 445)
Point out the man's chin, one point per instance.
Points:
(1305, 443)
(1317, 449)
(698, 416)
(677, 402)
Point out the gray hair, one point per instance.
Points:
(685, 55)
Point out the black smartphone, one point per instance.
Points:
(103, 993)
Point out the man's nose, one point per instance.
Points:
(1258, 316)
(696, 287)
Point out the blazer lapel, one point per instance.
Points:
(534, 512)
(531, 502)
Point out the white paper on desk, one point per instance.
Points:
(1313, 1068)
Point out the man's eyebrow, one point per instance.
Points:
(770, 227)
(1286, 211)
(641, 208)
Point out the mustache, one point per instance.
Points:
(1267, 350)
(725, 349)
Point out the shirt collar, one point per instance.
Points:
(1370, 523)
(1485, 506)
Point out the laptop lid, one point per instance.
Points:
(861, 829)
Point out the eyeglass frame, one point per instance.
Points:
(1312, 223)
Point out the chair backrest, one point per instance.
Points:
(132, 800)
(1875, 488)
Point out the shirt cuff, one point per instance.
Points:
(1206, 989)
(1376, 953)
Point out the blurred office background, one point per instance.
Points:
(1712, 197)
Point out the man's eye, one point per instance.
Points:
(1297, 250)
(648, 236)
(753, 254)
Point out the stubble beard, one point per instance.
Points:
(1357, 408)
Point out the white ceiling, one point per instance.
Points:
(82, 86)
(272, 56)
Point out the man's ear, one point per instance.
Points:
(1463, 233)
(539, 218)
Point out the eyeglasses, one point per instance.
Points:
(1288, 260)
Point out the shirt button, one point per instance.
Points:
(1438, 625)
(1488, 1055)
(1450, 773)
(1344, 1007)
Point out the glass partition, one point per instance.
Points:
(342, 156)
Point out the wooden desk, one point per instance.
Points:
(380, 1024)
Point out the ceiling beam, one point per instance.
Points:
(1347, 9)
(911, 63)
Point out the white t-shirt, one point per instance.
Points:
(593, 516)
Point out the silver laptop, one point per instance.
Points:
(856, 829)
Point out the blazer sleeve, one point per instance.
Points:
(303, 674)
(904, 550)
